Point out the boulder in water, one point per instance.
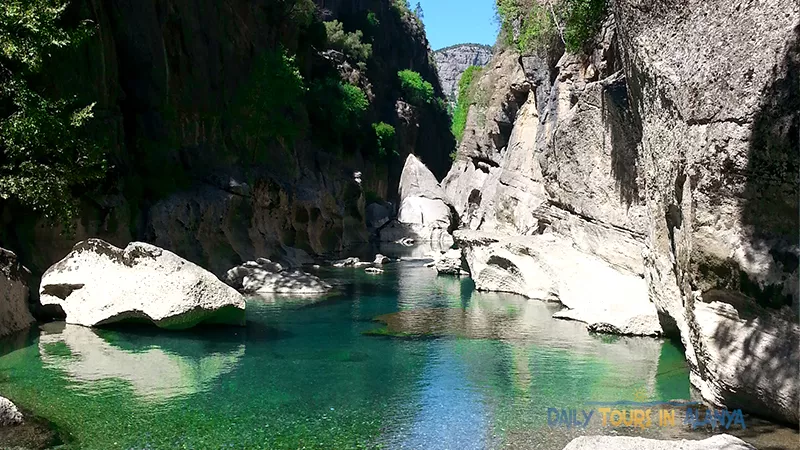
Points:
(548, 267)
(9, 414)
(347, 262)
(380, 259)
(98, 284)
(266, 277)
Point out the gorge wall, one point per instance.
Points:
(451, 62)
(668, 151)
(209, 155)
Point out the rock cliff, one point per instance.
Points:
(14, 312)
(451, 62)
(667, 150)
(186, 93)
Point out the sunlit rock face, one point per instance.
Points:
(451, 62)
(424, 215)
(669, 153)
(546, 267)
(99, 284)
(153, 372)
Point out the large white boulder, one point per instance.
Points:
(547, 267)
(98, 283)
(265, 277)
(14, 312)
(424, 214)
(718, 442)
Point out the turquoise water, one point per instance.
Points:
(302, 374)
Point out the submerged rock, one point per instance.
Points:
(265, 276)
(9, 414)
(373, 270)
(547, 267)
(380, 259)
(718, 442)
(14, 312)
(98, 284)
(347, 262)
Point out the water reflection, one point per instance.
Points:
(152, 371)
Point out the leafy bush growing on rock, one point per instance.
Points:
(583, 21)
(269, 105)
(336, 108)
(464, 100)
(45, 150)
(530, 25)
(415, 90)
(385, 136)
(348, 43)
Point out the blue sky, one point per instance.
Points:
(449, 22)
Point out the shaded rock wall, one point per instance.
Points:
(14, 312)
(187, 174)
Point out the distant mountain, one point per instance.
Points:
(452, 61)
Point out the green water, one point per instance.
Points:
(302, 374)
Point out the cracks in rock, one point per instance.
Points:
(570, 210)
(712, 121)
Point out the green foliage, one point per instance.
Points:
(583, 21)
(45, 152)
(354, 102)
(525, 24)
(385, 136)
(348, 43)
(464, 100)
(268, 108)
(413, 18)
(530, 25)
(336, 104)
(372, 20)
(415, 90)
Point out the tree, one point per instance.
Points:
(418, 11)
(416, 90)
(46, 154)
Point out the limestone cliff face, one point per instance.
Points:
(188, 172)
(669, 152)
(451, 62)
